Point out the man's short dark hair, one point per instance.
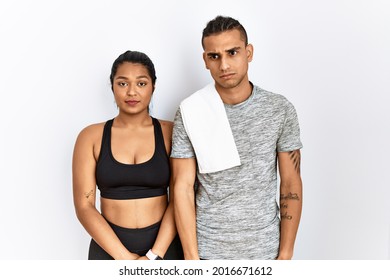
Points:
(221, 24)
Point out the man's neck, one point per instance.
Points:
(235, 95)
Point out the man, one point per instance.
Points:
(229, 140)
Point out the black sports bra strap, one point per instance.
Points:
(104, 147)
(158, 135)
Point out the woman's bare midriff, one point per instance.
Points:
(134, 213)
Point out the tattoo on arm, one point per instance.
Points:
(285, 215)
(290, 195)
(295, 156)
(88, 194)
(284, 205)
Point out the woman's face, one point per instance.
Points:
(132, 87)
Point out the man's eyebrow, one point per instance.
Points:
(212, 53)
(233, 49)
(227, 51)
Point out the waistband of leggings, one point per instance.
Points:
(152, 226)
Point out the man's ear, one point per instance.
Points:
(249, 52)
(205, 60)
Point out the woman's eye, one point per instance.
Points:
(122, 84)
(142, 84)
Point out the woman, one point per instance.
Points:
(127, 159)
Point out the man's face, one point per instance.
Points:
(227, 58)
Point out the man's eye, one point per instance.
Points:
(213, 56)
(233, 52)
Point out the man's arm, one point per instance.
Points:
(184, 173)
(290, 201)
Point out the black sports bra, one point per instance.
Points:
(117, 180)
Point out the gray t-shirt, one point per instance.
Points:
(237, 215)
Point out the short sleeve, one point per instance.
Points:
(289, 139)
(181, 144)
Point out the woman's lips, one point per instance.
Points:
(132, 102)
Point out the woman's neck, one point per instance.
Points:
(127, 120)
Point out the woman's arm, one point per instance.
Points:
(84, 194)
(167, 231)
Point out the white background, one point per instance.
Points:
(331, 59)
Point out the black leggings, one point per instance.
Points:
(137, 241)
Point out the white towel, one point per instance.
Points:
(208, 128)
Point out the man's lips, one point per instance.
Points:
(227, 76)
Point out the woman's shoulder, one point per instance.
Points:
(165, 123)
(93, 128)
(92, 132)
(166, 127)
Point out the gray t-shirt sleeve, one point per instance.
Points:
(289, 139)
(181, 144)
